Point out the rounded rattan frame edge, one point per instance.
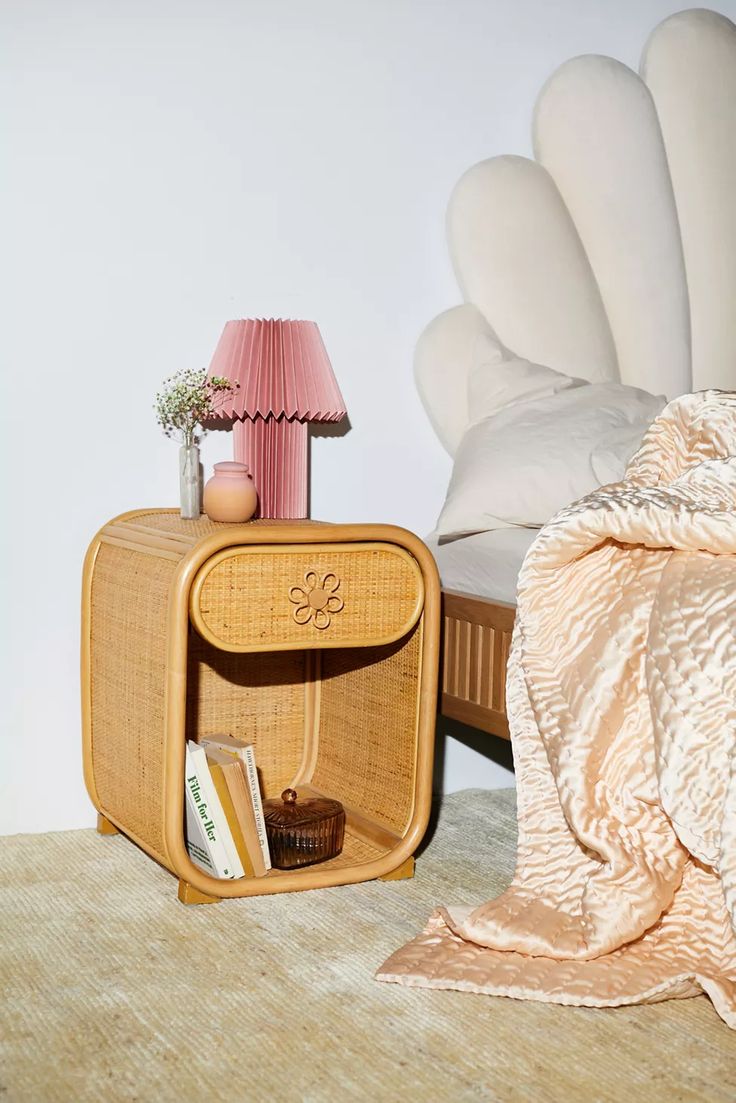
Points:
(88, 568)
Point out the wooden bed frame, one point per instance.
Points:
(475, 650)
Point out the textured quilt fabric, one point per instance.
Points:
(622, 708)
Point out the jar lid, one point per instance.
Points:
(287, 812)
(230, 467)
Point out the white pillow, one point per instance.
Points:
(495, 382)
(611, 457)
(521, 465)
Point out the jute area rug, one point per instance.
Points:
(115, 991)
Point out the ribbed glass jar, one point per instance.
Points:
(301, 833)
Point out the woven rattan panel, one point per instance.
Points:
(309, 597)
(128, 654)
(172, 522)
(259, 698)
(368, 729)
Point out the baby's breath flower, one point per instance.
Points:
(187, 399)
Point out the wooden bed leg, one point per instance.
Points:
(104, 827)
(406, 869)
(189, 895)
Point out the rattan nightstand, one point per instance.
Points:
(317, 643)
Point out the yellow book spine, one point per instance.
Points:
(223, 793)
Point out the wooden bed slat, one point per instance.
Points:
(466, 657)
(475, 664)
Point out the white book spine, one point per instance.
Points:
(251, 773)
(201, 791)
(198, 845)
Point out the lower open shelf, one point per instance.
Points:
(366, 841)
(355, 852)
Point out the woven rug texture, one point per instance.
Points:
(113, 990)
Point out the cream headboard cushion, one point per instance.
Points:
(689, 65)
(446, 354)
(597, 134)
(518, 258)
(593, 258)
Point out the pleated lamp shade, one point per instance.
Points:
(285, 380)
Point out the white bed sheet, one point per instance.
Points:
(486, 564)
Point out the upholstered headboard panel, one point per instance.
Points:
(612, 255)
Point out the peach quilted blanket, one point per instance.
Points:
(622, 706)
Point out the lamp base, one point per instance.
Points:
(276, 451)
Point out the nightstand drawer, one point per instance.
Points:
(284, 597)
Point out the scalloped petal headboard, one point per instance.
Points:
(612, 255)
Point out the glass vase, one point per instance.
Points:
(190, 484)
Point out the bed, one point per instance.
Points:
(609, 258)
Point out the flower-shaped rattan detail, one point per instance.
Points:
(317, 600)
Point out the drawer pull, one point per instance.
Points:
(317, 600)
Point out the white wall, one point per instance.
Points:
(170, 164)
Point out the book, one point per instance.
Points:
(208, 838)
(245, 753)
(232, 785)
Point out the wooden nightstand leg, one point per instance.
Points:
(104, 827)
(406, 869)
(189, 895)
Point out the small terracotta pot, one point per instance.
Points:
(230, 494)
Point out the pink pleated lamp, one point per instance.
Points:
(285, 380)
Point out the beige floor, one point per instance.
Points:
(112, 990)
